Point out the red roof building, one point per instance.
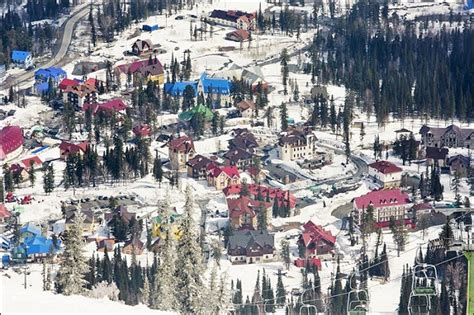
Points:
(4, 213)
(269, 194)
(35, 161)
(386, 174)
(243, 212)
(115, 105)
(316, 240)
(67, 148)
(180, 151)
(313, 261)
(67, 82)
(11, 139)
(142, 130)
(222, 176)
(386, 203)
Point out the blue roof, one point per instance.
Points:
(214, 85)
(42, 87)
(30, 228)
(46, 73)
(37, 245)
(177, 88)
(19, 55)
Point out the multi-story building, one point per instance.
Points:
(180, 151)
(79, 94)
(238, 19)
(251, 247)
(385, 203)
(316, 240)
(451, 136)
(386, 174)
(244, 211)
(221, 177)
(297, 144)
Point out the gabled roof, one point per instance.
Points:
(142, 130)
(142, 44)
(463, 133)
(35, 160)
(313, 233)
(461, 159)
(436, 153)
(47, 73)
(214, 85)
(182, 144)
(30, 228)
(385, 167)
(177, 88)
(382, 198)
(294, 135)
(81, 89)
(68, 82)
(201, 109)
(72, 148)
(4, 213)
(283, 196)
(144, 67)
(237, 154)
(199, 162)
(244, 140)
(245, 104)
(11, 138)
(115, 105)
(240, 206)
(241, 35)
(244, 238)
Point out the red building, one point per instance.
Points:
(316, 240)
(67, 148)
(269, 194)
(11, 140)
(115, 105)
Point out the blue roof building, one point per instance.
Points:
(177, 88)
(42, 88)
(214, 85)
(35, 246)
(44, 74)
(29, 230)
(22, 58)
(150, 27)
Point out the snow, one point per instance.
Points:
(16, 299)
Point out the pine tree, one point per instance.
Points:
(73, 266)
(446, 235)
(280, 291)
(215, 123)
(157, 169)
(284, 59)
(189, 268)
(48, 179)
(145, 291)
(285, 253)
(283, 117)
(164, 293)
(223, 296)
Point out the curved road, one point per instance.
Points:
(65, 43)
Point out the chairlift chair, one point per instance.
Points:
(423, 275)
(419, 304)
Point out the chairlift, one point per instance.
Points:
(358, 299)
(419, 304)
(423, 275)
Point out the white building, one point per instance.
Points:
(297, 144)
(386, 174)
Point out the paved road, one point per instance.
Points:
(61, 53)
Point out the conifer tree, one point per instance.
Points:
(189, 268)
(283, 117)
(280, 291)
(164, 292)
(284, 59)
(73, 266)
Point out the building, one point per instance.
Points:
(48, 77)
(238, 157)
(197, 166)
(316, 240)
(106, 243)
(150, 27)
(451, 137)
(313, 262)
(258, 192)
(11, 141)
(238, 19)
(68, 148)
(403, 134)
(142, 130)
(250, 75)
(217, 89)
(222, 177)
(238, 36)
(201, 109)
(34, 161)
(386, 203)
(243, 212)
(436, 156)
(141, 47)
(180, 151)
(36, 247)
(297, 144)
(246, 108)
(147, 70)
(251, 247)
(109, 107)
(78, 94)
(133, 246)
(92, 220)
(22, 59)
(243, 139)
(4, 213)
(459, 164)
(386, 174)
